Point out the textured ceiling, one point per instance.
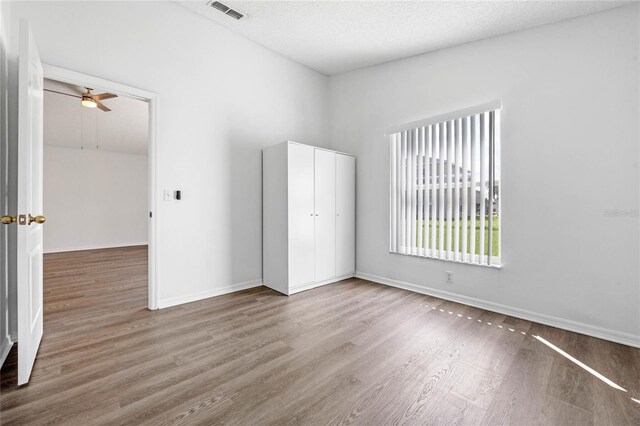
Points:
(67, 123)
(339, 36)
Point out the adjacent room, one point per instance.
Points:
(95, 170)
(320, 212)
(95, 164)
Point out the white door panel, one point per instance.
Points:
(325, 210)
(301, 215)
(345, 214)
(30, 303)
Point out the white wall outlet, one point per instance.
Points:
(168, 195)
(450, 277)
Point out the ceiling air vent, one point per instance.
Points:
(226, 10)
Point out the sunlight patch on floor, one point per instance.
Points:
(426, 305)
(581, 364)
(552, 346)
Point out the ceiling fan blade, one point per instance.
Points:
(102, 107)
(103, 96)
(62, 93)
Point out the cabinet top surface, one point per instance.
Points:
(316, 147)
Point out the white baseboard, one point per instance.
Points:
(566, 324)
(194, 297)
(5, 348)
(92, 247)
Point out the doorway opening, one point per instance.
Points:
(99, 197)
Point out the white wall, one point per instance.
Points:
(94, 199)
(221, 100)
(569, 156)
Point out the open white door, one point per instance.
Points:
(30, 305)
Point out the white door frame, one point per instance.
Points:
(72, 77)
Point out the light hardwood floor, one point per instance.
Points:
(351, 352)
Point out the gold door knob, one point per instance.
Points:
(37, 219)
(8, 219)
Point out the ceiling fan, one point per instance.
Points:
(88, 99)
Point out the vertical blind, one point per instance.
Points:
(445, 188)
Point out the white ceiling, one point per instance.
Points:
(67, 123)
(333, 37)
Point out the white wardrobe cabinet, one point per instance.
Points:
(308, 217)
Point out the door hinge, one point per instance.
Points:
(150, 214)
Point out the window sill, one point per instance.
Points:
(497, 265)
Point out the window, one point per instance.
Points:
(445, 187)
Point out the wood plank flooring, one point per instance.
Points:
(353, 352)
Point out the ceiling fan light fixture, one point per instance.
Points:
(88, 102)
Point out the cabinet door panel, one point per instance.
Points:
(345, 214)
(301, 215)
(325, 210)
